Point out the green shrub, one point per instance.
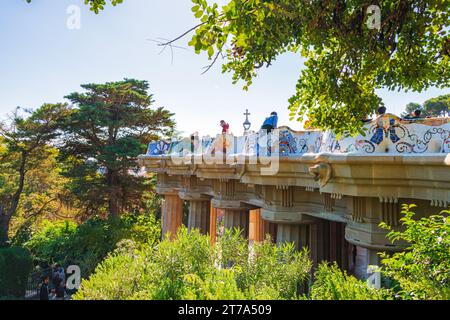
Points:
(119, 277)
(23, 234)
(423, 270)
(219, 285)
(49, 244)
(331, 283)
(191, 253)
(190, 268)
(266, 271)
(86, 245)
(152, 272)
(15, 267)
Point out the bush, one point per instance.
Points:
(49, 244)
(332, 283)
(190, 268)
(153, 272)
(86, 245)
(15, 267)
(423, 270)
(266, 271)
(119, 277)
(219, 285)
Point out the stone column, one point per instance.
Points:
(213, 225)
(365, 258)
(327, 243)
(237, 218)
(259, 228)
(172, 214)
(319, 242)
(199, 215)
(296, 233)
(256, 226)
(338, 244)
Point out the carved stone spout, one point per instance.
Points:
(321, 173)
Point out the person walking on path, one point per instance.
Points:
(43, 292)
(60, 291)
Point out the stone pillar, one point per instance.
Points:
(259, 228)
(213, 225)
(296, 233)
(256, 226)
(338, 244)
(172, 214)
(237, 218)
(365, 258)
(327, 243)
(199, 215)
(319, 243)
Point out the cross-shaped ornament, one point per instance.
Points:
(247, 123)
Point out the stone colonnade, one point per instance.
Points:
(203, 216)
(325, 239)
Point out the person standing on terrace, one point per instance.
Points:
(382, 111)
(225, 126)
(270, 123)
(416, 114)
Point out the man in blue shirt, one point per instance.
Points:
(270, 123)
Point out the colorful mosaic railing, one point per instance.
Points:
(385, 134)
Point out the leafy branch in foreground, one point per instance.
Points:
(423, 269)
(346, 60)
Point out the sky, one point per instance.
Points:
(42, 60)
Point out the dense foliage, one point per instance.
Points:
(347, 54)
(24, 148)
(190, 268)
(434, 107)
(15, 266)
(423, 270)
(75, 162)
(265, 270)
(109, 126)
(331, 283)
(86, 245)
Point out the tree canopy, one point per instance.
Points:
(410, 108)
(346, 56)
(439, 106)
(350, 49)
(25, 147)
(109, 126)
(434, 107)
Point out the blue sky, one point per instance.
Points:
(41, 60)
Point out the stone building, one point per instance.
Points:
(311, 188)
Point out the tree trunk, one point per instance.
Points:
(6, 215)
(4, 230)
(113, 201)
